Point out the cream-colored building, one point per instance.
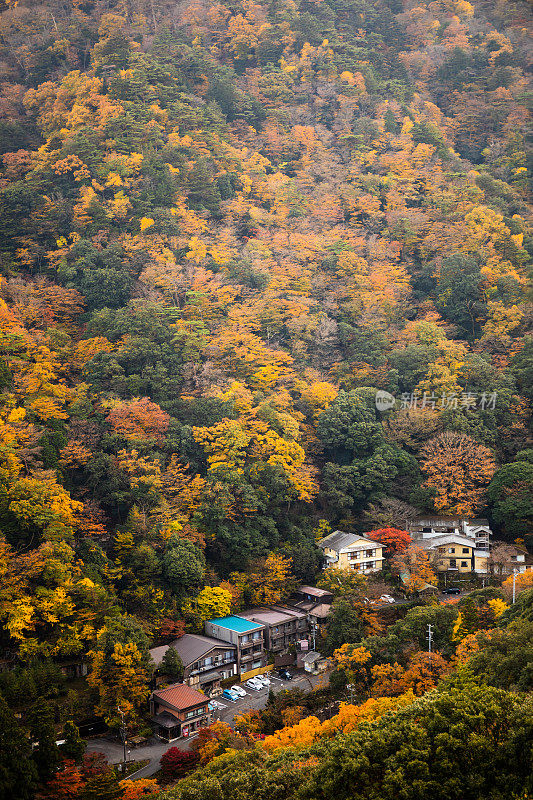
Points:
(455, 544)
(352, 551)
(452, 553)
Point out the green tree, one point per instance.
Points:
(506, 659)
(172, 665)
(74, 746)
(427, 750)
(46, 753)
(183, 566)
(18, 774)
(344, 626)
(510, 494)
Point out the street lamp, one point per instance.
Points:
(124, 736)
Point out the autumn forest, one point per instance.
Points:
(264, 275)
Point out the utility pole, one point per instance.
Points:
(124, 737)
(430, 642)
(514, 585)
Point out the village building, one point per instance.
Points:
(352, 551)
(178, 712)
(206, 661)
(247, 636)
(456, 544)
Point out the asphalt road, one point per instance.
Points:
(225, 712)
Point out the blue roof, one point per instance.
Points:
(237, 624)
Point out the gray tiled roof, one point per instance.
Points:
(190, 648)
(338, 540)
(313, 591)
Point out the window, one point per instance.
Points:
(451, 549)
(208, 662)
(355, 566)
(369, 553)
(256, 635)
(453, 562)
(370, 565)
(466, 550)
(245, 638)
(464, 563)
(352, 555)
(228, 654)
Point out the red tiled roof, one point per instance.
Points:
(180, 696)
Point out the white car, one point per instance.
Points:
(264, 679)
(387, 598)
(238, 690)
(254, 684)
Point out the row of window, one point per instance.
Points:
(356, 554)
(466, 550)
(195, 712)
(365, 565)
(213, 661)
(249, 637)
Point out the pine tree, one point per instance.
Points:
(74, 746)
(46, 754)
(18, 775)
(172, 665)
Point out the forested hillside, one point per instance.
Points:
(224, 226)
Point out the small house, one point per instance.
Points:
(352, 551)
(178, 712)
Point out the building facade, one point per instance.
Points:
(178, 712)
(352, 551)
(457, 544)
(206, 661)
(283, 626)
(248, 638)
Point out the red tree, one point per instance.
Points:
(66, 783)
(176, 763)
(394, 539)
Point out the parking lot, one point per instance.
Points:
(226, 710)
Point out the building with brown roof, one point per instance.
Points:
(178, 711)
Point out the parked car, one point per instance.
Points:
(285, 674)
(254, 684)
(451, 590)
(264, 679)
(238, 690)
(229, 694)
(387, 598)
